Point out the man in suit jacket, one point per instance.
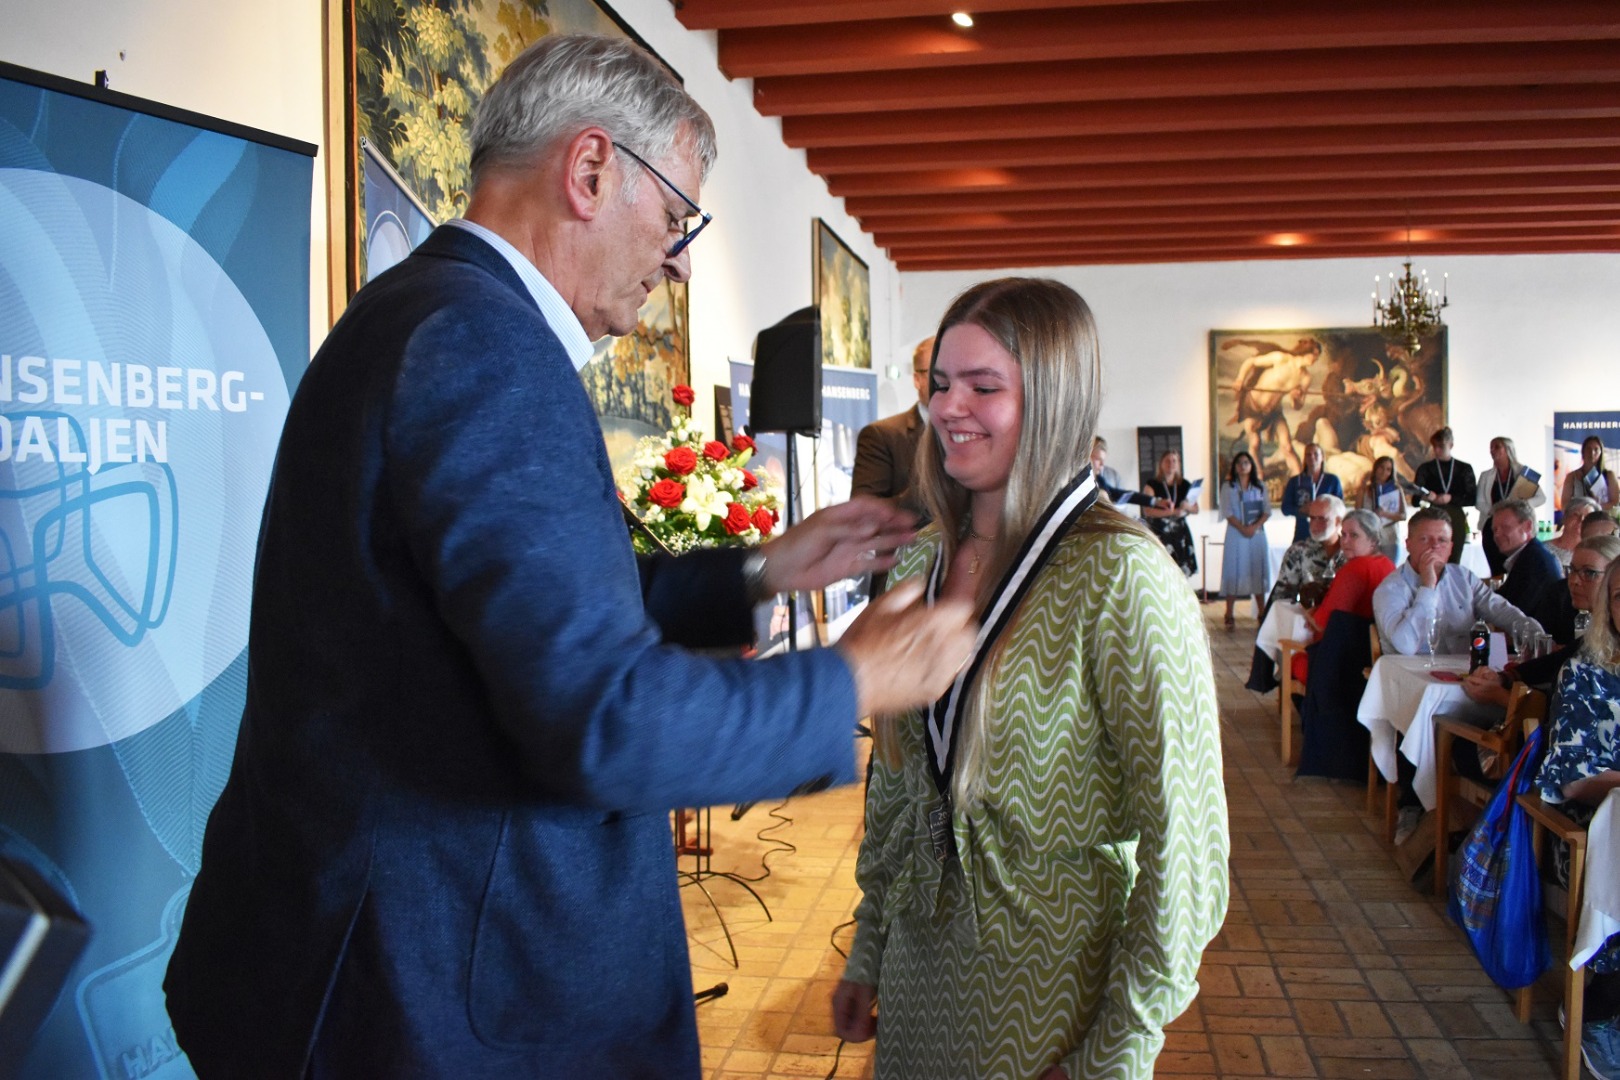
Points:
(886, 448)
(1530, 566)
(444, 849)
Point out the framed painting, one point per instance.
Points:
(404, 77)
(1350, 391)
(843, 293)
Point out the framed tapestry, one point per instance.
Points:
(405, 76)
(843, 292)
(1350, 391)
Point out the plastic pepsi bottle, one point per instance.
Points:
(1479, 648)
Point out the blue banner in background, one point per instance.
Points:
(154, 318)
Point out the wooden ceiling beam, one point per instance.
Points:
(1251, 230)
(734, 14)
(1369, 245)
(1504, 104)
(1179, 29)
(1414, 69)
(1390, 191)
(1410, 165)
(1109, 257)
(1513, 137)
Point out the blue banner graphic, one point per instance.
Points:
(154, 318)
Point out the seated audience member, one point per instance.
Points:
(1598, 524)
(1593, 480)
(1563, 545)
(1311, 484)
(1448, 483)
(1489, 686)
(1365, 568)
(1582, 765)
(1309, 564)
(1426, 591)
(1108, 479)
(1530, 566)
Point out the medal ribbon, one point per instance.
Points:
(1075, 499)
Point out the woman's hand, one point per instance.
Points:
(854, 1011)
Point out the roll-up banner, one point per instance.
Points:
(154, 318)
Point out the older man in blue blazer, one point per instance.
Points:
(443, 849)
(1530, 567)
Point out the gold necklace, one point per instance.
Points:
(973, 567)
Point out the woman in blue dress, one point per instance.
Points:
(1581, 767)
(1246, 559)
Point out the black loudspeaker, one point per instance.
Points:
(786, 394)
(41, 938)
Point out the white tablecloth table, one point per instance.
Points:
(1403, 698)
(1600, 906)
(1286, 619)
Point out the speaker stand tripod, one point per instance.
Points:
(701, 847)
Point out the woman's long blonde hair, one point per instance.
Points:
(1049, 330)
(1601, 645)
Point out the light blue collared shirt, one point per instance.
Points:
(558, 315)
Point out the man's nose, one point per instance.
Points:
(678, 267)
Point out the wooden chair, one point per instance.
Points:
(1374, 777)
(1526, 710)
(1547, 818)
(1287, 713)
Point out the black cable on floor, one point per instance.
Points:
(782, 846)
(832, 939)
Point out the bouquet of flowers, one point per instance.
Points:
(696, 493)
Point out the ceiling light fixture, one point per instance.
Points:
(962, 19)
(1412, 311)
(1287, 239)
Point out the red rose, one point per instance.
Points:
(667, 493)
(680, 460)
(683, 394)
(741, 443)
(750, 481)
(775, 517)
(764, 521)
(715, 451)
(737, 519)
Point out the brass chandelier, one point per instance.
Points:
(1412, 310)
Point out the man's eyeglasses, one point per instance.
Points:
(703, 218)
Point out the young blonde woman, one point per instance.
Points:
(1045, 850)
(1496, 485)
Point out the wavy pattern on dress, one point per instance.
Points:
(1092, 874)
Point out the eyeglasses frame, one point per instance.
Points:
(704, 216)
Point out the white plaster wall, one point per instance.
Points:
(261, 65)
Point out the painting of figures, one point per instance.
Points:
(843, 288)
(1350, 391)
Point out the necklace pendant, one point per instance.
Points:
(973, 567)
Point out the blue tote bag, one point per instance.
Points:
(1495, 893)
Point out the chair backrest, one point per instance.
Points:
(1377, 645)
(1526, 707)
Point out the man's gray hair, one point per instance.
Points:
(566, 83)
(1517, 507)
(1335, 505)
(1582, 502)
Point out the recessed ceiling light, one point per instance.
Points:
(962, 19)
(1287, 239)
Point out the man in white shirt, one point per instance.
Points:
(1426, 590)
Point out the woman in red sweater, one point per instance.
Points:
(1352, 589)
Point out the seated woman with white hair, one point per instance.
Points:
(1563, 545)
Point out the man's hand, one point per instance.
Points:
(1428, 568)
(904, 654)
(853, 1004)
(855, 537)
(1484, 686)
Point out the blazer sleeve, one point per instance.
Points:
(874, 464)
(514, 529)
(1290, 499)
(1467, 484)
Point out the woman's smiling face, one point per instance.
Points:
(977, 408)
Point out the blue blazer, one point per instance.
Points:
(1533, 572)
(443, 848)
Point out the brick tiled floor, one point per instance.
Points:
(1329, 965)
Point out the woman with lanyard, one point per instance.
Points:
(1045, 850)
(1313, 482)
(1172, 499)
(1445, 482)
(1382, 496)
(1593, 480)
(1500, 483)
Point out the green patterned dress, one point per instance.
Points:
(1070, 929)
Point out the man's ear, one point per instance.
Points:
(586, 166)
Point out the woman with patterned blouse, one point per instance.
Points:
(1581, 767)
(1045, 850)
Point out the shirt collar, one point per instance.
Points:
(558, 315)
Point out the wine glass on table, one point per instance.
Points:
(1431, 632)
